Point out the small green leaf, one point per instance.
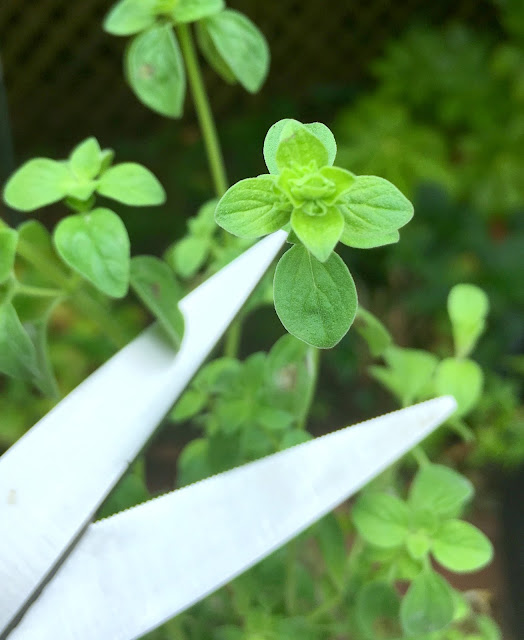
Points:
(96, 245)
(212, 55)
(440, 490)
(373, 209)
(461, 547)
(468, 307)
(373, 331)
(341, 178)
(299, 147)
(381, 519)
(189, 405)
(8, 242)
(34, 233)
(86, 159)
(106, 159)
(36, 184)
(332, 543)
(408, 373)
(131, 184)
(272, 141)
(315, 301)
(188, 255)
(241, 46)
(320, 234)
(193, 10)
(462, 379)
(253, 208)
(17, 352)
(377, 610)
(128, 17)
(427, 606)
(155, 70)
(155, 285)
(193, 463)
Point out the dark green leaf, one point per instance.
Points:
(189, 405)
(154, 283)
(37, 183)
(428, 605)
(461, 547)
(242, 48)
(381, 519)
(315, 301)
(440, 490)
(332, 543)
(8, 242)
(96, 245)
(155, 70)
(128, 17)
(131, 184)
(193, 463)
(253, 208)
(377, 610)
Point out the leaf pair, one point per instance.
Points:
(42, 181)
(154, 67)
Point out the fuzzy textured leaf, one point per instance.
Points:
(319, 234)
(131, 184)
(315, 301)
(36, 184)
(381, 519)
(128, 17)
(241, 46)
(440, 490)
(8, 242)
(253, 208)
(461, 547)
(427, 606)
(373, 209)
(299, 147)
(155, 70)
(96, 245)
(155, 285)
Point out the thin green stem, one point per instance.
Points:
(37, 292)
(312, 364)
(204, 114)
(420, 456)
(232, 340)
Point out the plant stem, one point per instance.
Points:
(420, 456)
(38, 292)
(204, 114)
(313, 361)
(232, 340)
(291, 577)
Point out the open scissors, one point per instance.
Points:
(62, 576)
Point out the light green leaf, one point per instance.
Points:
(203, 224)
(342, 179)
(315, 301)
(461, 547)
(427, 606)
(273, 418)
(408, 373)
(298, 147)
(212, 55)
(86, 159)
(37, 183)
(128, 17)
(272, 141)
(33, 233)
(373, 331)
(320, 234)
(381, 519)
(462, 379)
(106, 159)
(377, 608)
(468, 307)
(440, 490)
(373, 209)
(332, 543)
(193, 10)
(131, 184)
(17, 352)
(154, 283)
(253, 208)
(188, 255)
(241, 47)
(8, 242)
(155, 70)
(96, 245)
(189, 405)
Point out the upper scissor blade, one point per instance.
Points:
(56, 476)
(131, 572)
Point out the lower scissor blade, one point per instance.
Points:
(54, 478)
(132, 572)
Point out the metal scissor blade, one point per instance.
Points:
(134, 571)
(55, 477)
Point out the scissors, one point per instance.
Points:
(62, 576)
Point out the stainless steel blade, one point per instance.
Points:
(55, 477)
(132, 572)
